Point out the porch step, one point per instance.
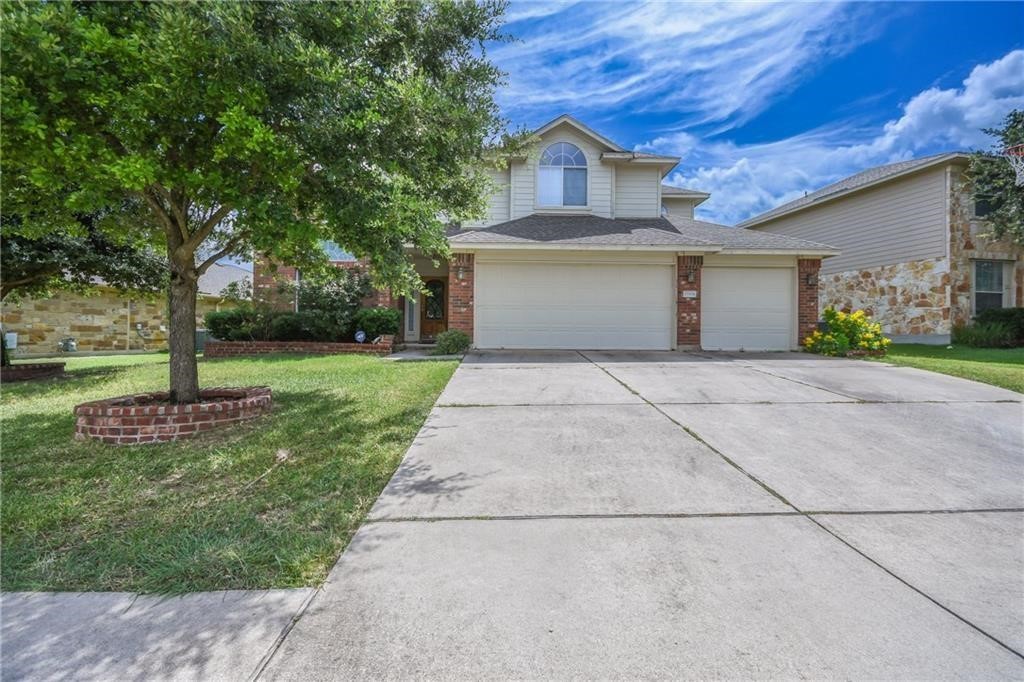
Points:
(419, 346)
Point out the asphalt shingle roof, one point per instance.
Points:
(218, 276)
(867, 177)
(594, 230)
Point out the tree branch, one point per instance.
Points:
(207, 228)
(228, 248)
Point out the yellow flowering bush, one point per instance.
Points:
(847, 334)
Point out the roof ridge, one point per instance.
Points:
(852, 183)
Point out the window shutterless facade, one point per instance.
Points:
(989, 285)
(562, 176)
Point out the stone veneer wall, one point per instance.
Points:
(967, 244)
(906, 298)
(104, 321)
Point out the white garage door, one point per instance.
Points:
(574, 305)
(747, 308)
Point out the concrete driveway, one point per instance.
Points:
(625, 515)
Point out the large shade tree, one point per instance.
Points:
(994, 185)
(255, 127)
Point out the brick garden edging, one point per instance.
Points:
(36, 370)
(230, 349)
(120, 422)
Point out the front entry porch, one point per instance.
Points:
(425, 315)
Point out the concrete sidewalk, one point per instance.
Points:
(123, 636)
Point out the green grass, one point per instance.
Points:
(196, 514)
(997, 366)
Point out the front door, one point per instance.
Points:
(434, 309)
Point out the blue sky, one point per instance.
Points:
(766, 101)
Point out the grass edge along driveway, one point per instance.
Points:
(267, 504)
(1003, 367)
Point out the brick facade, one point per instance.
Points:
(688, 309)
(148, 418)
(807, 296)
(460, 293)
(266, 283)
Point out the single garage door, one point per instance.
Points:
(747, 308)
(583, 305)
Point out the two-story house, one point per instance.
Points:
(913, 251)
(583, 247)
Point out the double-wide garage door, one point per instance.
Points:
(609, 305)
(580, 305)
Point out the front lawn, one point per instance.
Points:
(216, 512)
(997, 366)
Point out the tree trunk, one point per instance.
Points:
(181, 339)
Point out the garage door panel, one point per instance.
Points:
(574, 305)
(747, 308)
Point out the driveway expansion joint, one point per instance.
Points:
(799, 512)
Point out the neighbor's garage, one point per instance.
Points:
(745, 307)
(616, 301)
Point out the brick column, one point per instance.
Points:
(460, 293)
(807, 297)
(688, 305)
(266, 280)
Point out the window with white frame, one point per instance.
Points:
(562, 176)
(989, 285)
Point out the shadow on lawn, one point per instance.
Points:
(341, 454)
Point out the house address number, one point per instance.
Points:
(689, 294)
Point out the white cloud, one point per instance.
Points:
(712, 63)
(745, 180)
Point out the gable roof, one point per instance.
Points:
(854, 183)
(674, 234)
(670, 192)
(579, 125)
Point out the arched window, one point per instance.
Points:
(562, 177)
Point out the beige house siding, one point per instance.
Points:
(599, 175)
(899, 221)
(637, 192)
(498, 208)
(678, 206)
(104, 321)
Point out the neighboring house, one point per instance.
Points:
(583, 247)
(106, 320)
(912, 254)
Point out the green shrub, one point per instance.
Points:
(847, 333)
(377, 321)
(334, 295)
(244, 323)
(985, 335)
(452, 342)
(1014, 317)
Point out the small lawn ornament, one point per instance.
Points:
(360, 336)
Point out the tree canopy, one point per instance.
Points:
(993, 182)
(79, 260)
(252, 127)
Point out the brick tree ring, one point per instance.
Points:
(150, 418)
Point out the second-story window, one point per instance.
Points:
(562, 177)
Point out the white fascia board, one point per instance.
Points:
(799, 253)
(533, 246)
